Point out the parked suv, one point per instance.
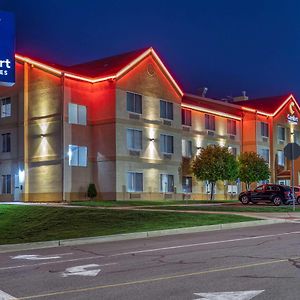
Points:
(297, 194)
(275, 193)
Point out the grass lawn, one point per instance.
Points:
(231, 208)
(21, 224)
(146, 202)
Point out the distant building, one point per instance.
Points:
(124, 123)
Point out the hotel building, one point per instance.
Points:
(124, 123)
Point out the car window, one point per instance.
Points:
(296, 189)
(259, 188)
(269, 188)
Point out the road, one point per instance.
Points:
(264, 260)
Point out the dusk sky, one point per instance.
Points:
(227, 46)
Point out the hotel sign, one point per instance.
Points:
(7, 49)
(291, 116)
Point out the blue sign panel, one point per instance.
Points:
(7, 49)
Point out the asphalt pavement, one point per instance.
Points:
(248, 263)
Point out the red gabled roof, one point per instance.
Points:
(268, 104)
(211, 106)
(108, 66)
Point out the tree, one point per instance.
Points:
(215, 163)
(252, 168)
(92, 192)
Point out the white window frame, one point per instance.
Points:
(80, 114)
(278, 130)
(162, 190)
(187, 148)
(6, 142)
(6, 188)
(79, 149)
(165, 143)
(134, 189)
(281, 161)
(167, 115)
(134, 111)
(134, 130)
(5, 107)
(262, 131)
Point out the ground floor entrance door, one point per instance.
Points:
(16, 188)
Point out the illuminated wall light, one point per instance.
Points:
(151, 139)
(222, 143)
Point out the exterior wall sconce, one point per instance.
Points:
(151, 139)
(42, 136)
(199, 148)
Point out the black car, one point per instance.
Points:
(275, 193)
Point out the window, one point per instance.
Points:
(134, 139)
(166, 183)
(210, 122)
(264, 129)
(231, 127)
(134, 182)
(166, 110)
(265, 154)
(187, 184)
(6, 184)
(186, 117)
(77, 156)
(259, 188)
(233, 151)
(5, 107)
(187, 148)
(280, 157)
(6, 142)
(77, 114)
(281, 133)
(166, 143)
(134, 103)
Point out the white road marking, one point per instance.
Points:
(51, 262)
(243, 295)
(204, 244)
(82, 271)
(5, 296)
(39, 257)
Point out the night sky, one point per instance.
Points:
(227, 46)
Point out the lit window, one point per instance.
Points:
(187, 184)
(187, 148)
(5, 107)
(186, 117)
(231, 127)
(166, 183)
(6, 184)
(280, 157)
(134, 103)
(166, 144)
(264, 129)
(134, 182)
(281, 133)
(210, 122)
(166, 110)
(77, 114)
(6, 142)
(134, 139)
(77, 156)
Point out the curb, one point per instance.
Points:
(135, 235)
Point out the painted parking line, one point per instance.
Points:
(158, 279)
(39, 257)
(205, 243)
(5, 296)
